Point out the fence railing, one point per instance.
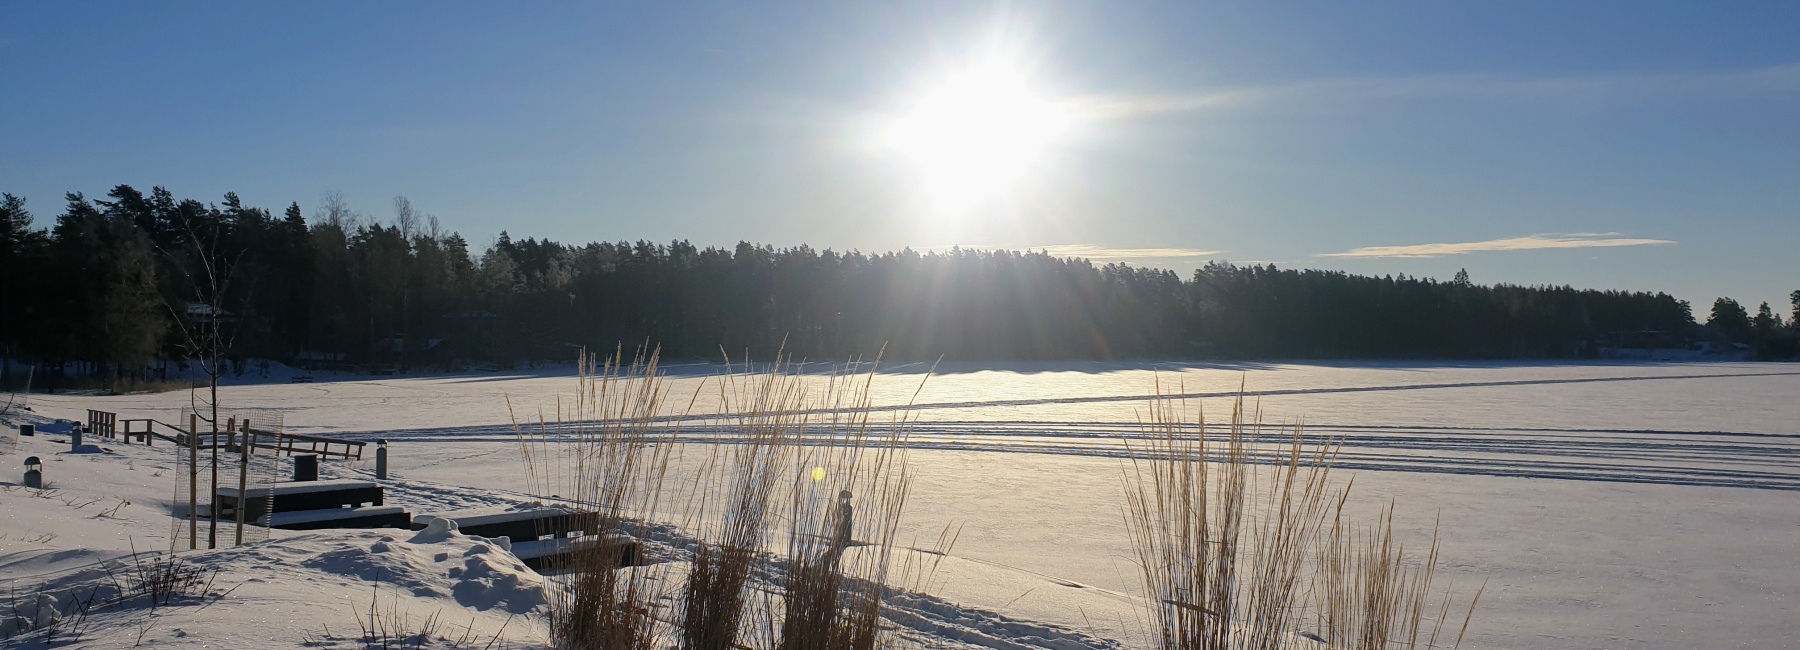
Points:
(102, 423)
(148, 430)
(145, 429)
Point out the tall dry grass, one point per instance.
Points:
(782, 438)
(849, 489)
(766, 411)
(1249, 547)
(603, 458)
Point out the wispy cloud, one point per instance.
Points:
(1329, 92)
(1093, 252)
(1117, 107)
(1533, 242)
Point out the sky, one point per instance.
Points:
(1617, 145)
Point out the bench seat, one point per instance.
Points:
(518, 524)
(540, 553)
(365, 517)
(301, 496)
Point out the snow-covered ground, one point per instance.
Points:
(1605, 505)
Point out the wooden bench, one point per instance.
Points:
(539, 535)
(369, 517)
(544, 553)
(519, 525)
(304, 495)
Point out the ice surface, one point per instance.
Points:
(1605, 504)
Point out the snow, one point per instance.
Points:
(281, 592)
(1627, 505)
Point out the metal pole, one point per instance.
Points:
(243, 497)
(193, 481)
(380, 460)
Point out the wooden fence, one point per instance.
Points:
(233, 434)
(102, 423)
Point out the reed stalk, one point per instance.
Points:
(1249, 548)
(848, 490)
(765, 409)
(603, 461)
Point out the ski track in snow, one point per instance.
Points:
(1705, 458)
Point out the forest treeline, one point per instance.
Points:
(108, 286)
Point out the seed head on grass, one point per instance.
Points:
(1232, 562)
(602, 457)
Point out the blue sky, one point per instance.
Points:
(1615, 145)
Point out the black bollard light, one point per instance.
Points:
(845, 522)
(34, 473)
(381, 459)
(28, 430)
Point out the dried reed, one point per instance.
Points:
(604, 461)
(1232, 563)
(833, 599)
(766, 409)
(784, 438)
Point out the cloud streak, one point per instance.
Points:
(1532, 242)
(1123, 107)
(1583, 90)
(1093, 252)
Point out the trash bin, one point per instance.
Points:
(306, 468)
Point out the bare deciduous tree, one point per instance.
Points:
(205, 340)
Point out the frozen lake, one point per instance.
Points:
(1606, 505)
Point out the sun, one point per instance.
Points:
(976, 133)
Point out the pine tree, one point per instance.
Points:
(1765, 321)
(110, 308)
(21, 255)
(1729, 319)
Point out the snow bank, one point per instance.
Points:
(317, 585)
(62, 546)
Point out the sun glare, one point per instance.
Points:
(976, 134)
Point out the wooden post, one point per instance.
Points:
(212, 530)
(193, 481)
(243, 499)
